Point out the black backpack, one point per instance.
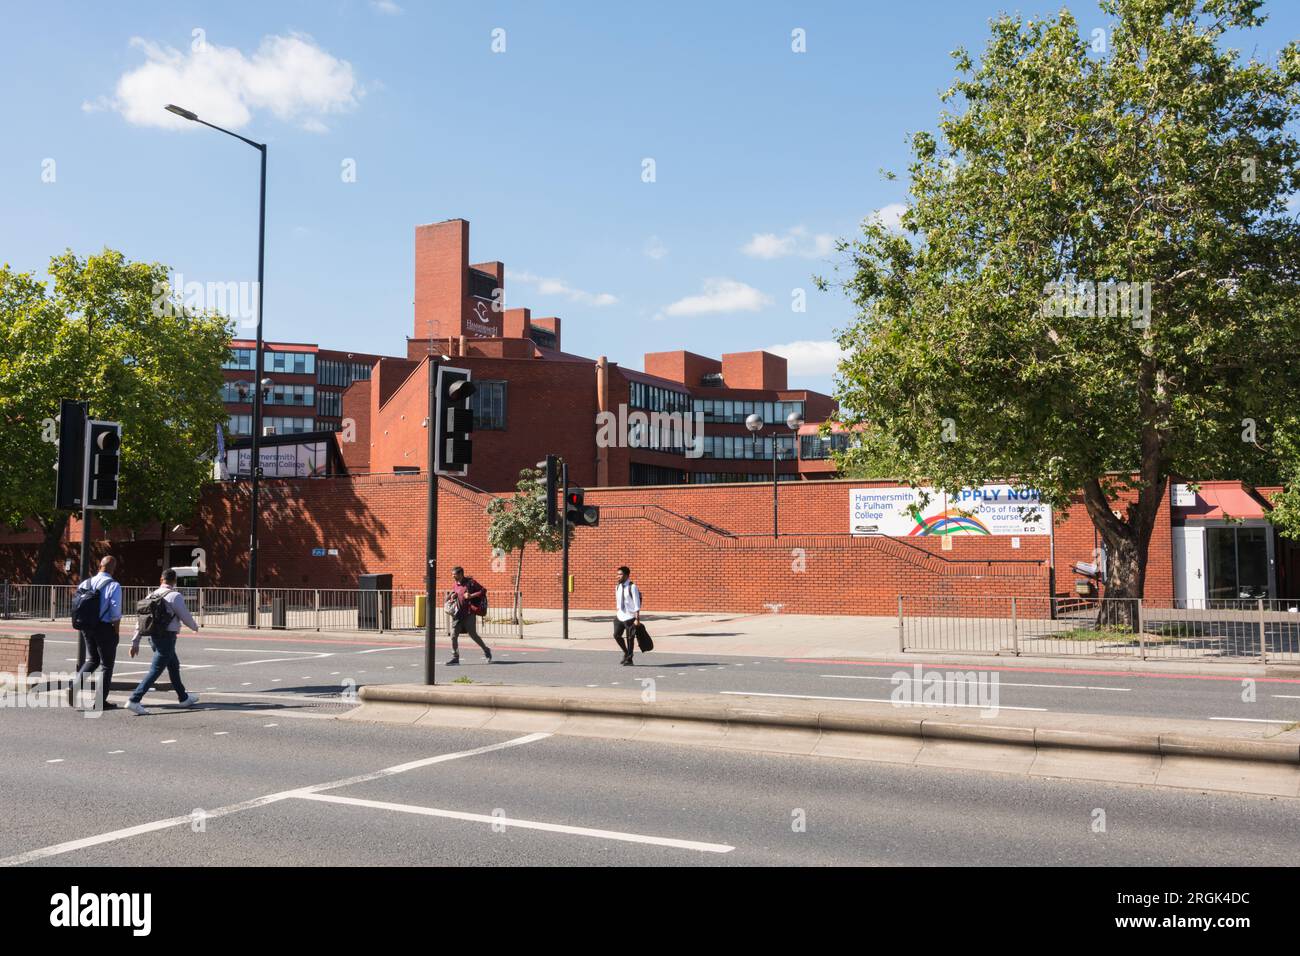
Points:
(155, 614)
(85, 607)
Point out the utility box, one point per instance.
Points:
(279, 615)
(375, 602)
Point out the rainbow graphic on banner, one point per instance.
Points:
(949, 522)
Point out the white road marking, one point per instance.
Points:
(113, 836)
(55, 760)
(1288, 696)
(380, 650)
(1001, 683)
(263, 650)
(875, 700)
(522, 824)
(111, 752)
(281, 695)
(1254, 720)
(220, 733)
(172, 741)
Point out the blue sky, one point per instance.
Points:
(761, 154)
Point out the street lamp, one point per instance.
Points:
(793, 421)
(257, 392)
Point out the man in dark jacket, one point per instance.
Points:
(466, 597)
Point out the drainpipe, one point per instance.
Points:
(602, 405)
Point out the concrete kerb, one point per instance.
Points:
(1143, 756)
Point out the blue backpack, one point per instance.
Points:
(85, 607)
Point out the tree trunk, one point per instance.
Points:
(1127, 544)
(49, 548)
(516, 613)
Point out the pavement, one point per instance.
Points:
(254, 784)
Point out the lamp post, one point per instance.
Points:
(256, 462)
(793, 421)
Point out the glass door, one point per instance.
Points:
(1239, 563)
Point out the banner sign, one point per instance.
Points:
(987, 510)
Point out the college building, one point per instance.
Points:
(680, 421)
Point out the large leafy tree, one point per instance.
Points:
(105, 330)
(520, 521)
(1161, 158)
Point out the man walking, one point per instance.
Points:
(102, 638)
(627, 604)
(167, 627)
(466, 603)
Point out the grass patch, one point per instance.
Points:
(1112, 633)
(463, 680)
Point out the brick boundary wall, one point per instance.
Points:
(22, 655)
(720, 561)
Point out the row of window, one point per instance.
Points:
(330, 403)
(744, 446)
(342, 374)
(724, 477)
(643, 474)
(489, 405)
(294, 363)
(243, 424)
(652, 398)
(772, 413)
(328, 372)
(814, 447)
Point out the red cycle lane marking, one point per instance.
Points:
(1042, 670)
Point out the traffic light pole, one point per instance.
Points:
(85, 526)
(564, 560)
(431, 536)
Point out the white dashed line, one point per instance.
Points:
(270, 725)
(1001, 683)
(55, 760)
(873, 700)
(220, 733)
(172, 741)
(111, 752)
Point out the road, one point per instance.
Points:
(251, 783)
(229, 666)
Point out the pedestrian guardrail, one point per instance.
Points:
(1258, 629)
(301, 609)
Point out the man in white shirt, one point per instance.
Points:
(627, 607)
(163, 641)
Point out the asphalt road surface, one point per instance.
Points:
(222, 666)
(256, 783)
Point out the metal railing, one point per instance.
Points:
(300, 609)
(1250, 629)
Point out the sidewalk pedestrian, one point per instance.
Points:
(627, 607)
(169, 614)
(102, 637)
(467, 602)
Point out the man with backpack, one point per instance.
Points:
(160, 616)
(627, 613)
(467, 601)
(97, 613)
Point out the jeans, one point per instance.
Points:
(101, 652)
(164, 656)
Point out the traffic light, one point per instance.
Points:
(71, 482)
(552, 468)
(103, 445)
(455, 421)
(577, 513)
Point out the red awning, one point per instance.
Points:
(1216, 502)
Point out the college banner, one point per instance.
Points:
(989, 509)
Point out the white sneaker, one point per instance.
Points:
(190, 701)
(137, 708)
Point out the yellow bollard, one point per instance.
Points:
(419, 610)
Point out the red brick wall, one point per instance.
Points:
(377, 525)
(21, 655)
(356, 406)
(760, 370)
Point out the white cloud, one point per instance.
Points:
(654, 249)
(386, 6)
(547, 286)
(795, 242)
(809, 357)
(289, 76)
(720, 295)
(889, 216)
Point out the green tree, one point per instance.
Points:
(1161, 158)
(107, 331)
(520, 521)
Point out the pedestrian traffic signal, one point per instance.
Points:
(103, 447)
(455, 421)
(577, 513)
